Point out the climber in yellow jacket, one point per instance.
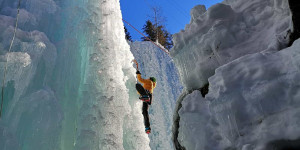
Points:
(148, 84)
(146, 91)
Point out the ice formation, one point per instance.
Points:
(70, 82)
(239, 48)
(154, 62)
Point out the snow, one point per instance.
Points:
(197, 130)
(154, 62)
(71, 83)
(253, 98)
(267, 95)
(225, 32)
(252, 101)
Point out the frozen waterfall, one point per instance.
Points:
(69, 81)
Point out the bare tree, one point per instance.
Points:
(156, 30)
(157, 19)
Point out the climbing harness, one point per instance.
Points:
(146, 37)
(10, 46)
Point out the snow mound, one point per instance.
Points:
(252, 102)
(197, 128)
(227, 31)
(260, 93)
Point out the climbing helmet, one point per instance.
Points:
(152, 79)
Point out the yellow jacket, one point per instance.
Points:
(147, 83)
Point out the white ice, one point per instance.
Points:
(70, 80)
(154, 62)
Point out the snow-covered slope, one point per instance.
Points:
(70, 82)
(153, 62)
(239, 48)
(226, 32)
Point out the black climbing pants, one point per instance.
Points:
(145, 112)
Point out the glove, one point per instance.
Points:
(138, 72)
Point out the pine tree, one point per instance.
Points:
(153, 32)
(149, 30)
(127, 35)
(168, 40)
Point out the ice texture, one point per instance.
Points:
(70, 80)
(153, 62)
(225, 32)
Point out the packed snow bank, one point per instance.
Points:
(252, 101)
(260, 90)
(153, 62)
(70, 80)
(239, 47)
(227, 31)
(198, 129)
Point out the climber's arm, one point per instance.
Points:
(139, 77)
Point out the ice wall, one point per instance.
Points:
(153, 62)
(226, 32)
(70, 82)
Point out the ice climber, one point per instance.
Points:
(145, 92)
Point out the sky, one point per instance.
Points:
(175, 12)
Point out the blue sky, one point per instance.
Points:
(176, 12)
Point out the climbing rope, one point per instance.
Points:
(10, 46)
(146, 37)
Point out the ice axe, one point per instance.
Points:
(137, 65)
